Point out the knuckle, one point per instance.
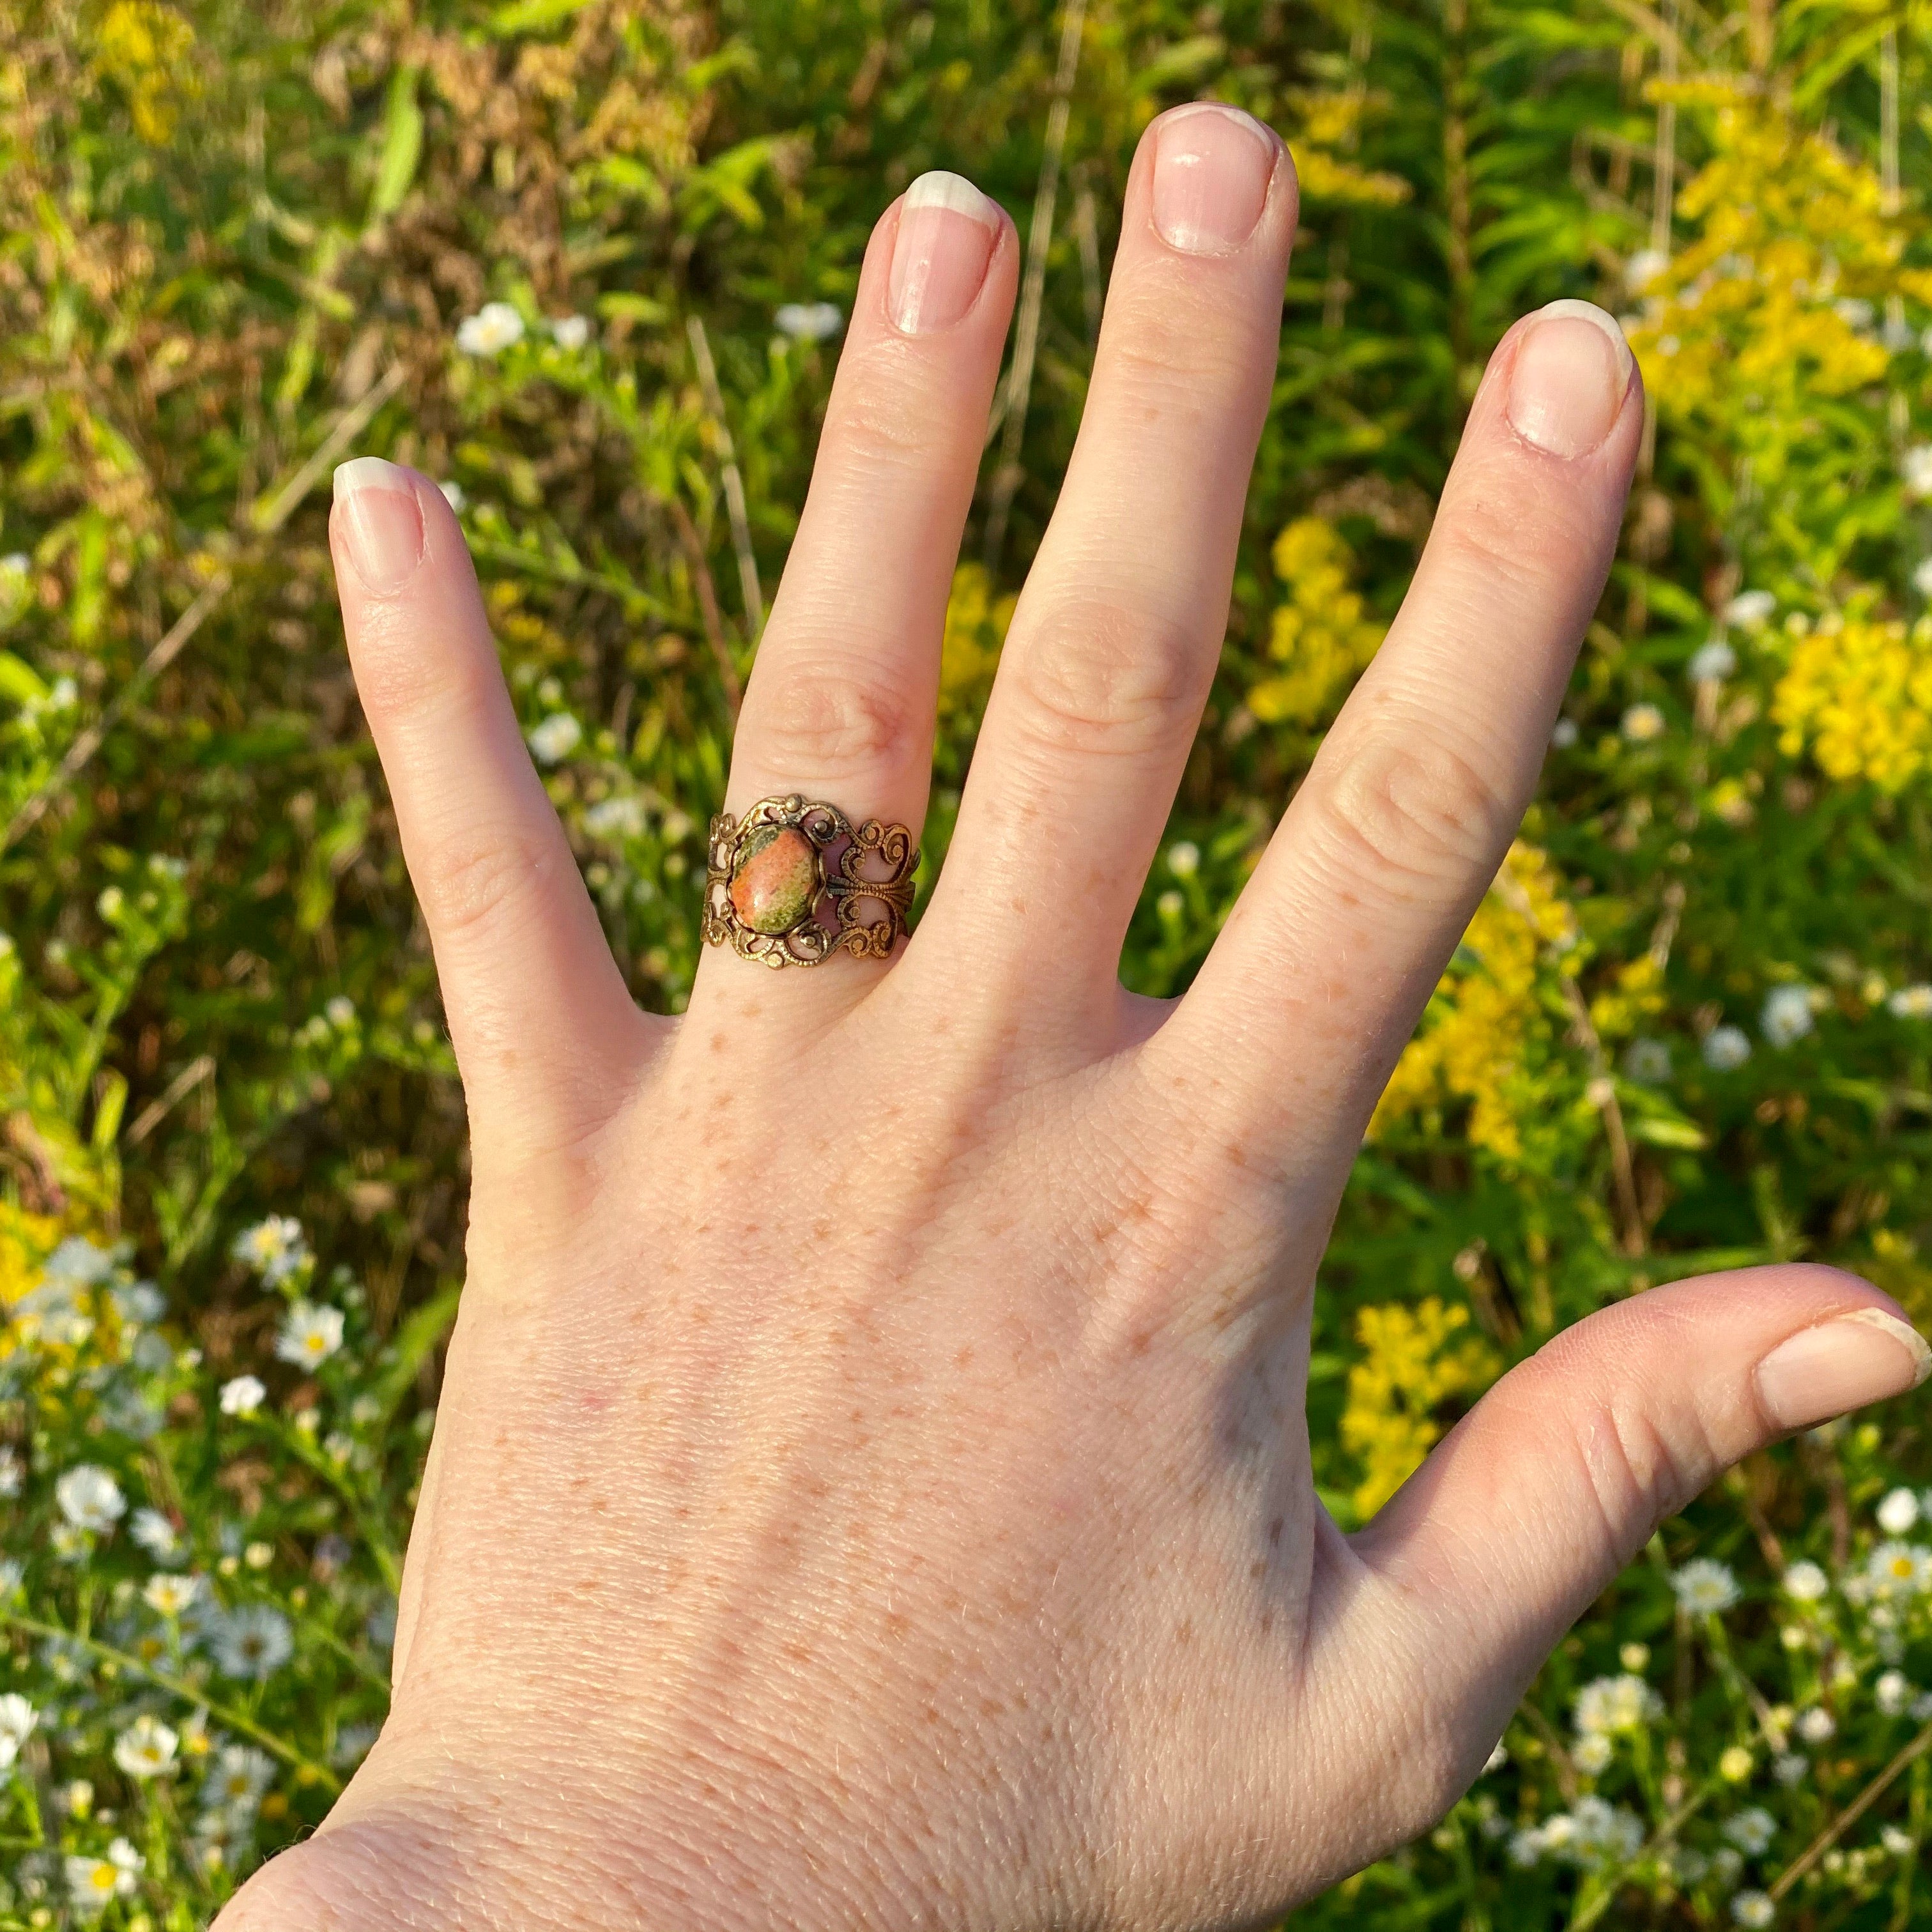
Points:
(892, 414)
(1638, 1470)
(1490, 540)
(1160, 346)
(1408, 811)
(1093, 676)
(829, 720)
(398, 680)
(474, 879)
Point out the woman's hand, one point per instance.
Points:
(871, 1487)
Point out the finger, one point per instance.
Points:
(544, 1030)
(1113, 643)
(1529, 1508)
(840, 706)
(1390, 843)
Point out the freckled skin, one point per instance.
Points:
(871, 1484)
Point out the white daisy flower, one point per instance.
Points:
(89, 1498)
(94, 1884)
(1892, 1693)
(494, 328)
(243, 1395)
(570, 332)
(1786, 1017)
(1754, 1908)
(1705, 1587)
(1899, 1844)
(1816, 1725)
(311, 1334)
(17, 1720)
(1749, 608)
(621, 816)
(808, 322)
(1806, 1581)
(1725, 1049)
(1712, 663)
(1751, 1831)
(1894, 1569)
(555, 738)
(340, 1011)
(1642, 723)
(1643, 268)
(79, 1263)
(1609, 1706)
(1911, 1003)
(1789, 1769)
(146, 1748)
(1593, 1754)
(1914, 469)
(1184, 859)
(240, 1775)
(168, 1594)
(253, 1641)
(274, 1248)
(1898, 1512)
(155, 1534)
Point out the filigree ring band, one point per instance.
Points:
(793, 881)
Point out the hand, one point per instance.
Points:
(871, 1487)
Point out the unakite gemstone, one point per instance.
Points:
(775, 880)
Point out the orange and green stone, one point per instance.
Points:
(775, 880)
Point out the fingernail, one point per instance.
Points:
(947, 229)
(1841, 1364)
(1573, 370)
(382, 522)
(1212, 166)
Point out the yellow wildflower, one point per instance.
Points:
(1860, 698)
(1636, 992)
(143, 46)
(1320, 633)
(1412, 1364)
(976, 628)
(1332, 120)
(1474, 1045)
(1772, 305)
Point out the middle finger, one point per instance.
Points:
(1113, 643)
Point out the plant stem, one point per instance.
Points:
(189, 1693)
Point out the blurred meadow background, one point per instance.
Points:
(586, 262)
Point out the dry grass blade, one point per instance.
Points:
(1009, 419)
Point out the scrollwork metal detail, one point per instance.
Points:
(787, 884)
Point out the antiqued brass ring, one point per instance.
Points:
(794, 881)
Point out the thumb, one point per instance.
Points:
(1529, 1508)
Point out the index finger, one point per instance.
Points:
(1323, 969)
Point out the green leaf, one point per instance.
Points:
(532, 17)
(402, 144)
(416, 1340)
(1660, 1130)
(20, 681)
(1183, 65)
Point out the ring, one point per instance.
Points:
(785, 883)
